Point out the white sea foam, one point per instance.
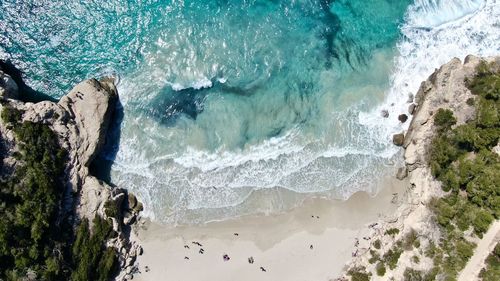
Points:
(180, 183)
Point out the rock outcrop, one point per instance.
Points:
(445, 88)
(80, 120)
(8, 87)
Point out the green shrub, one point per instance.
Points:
(359, 274)
(487, 114)
(491, 271)
(442, 153)
(392, 231)
(380, 268)
(392, 256)
(482, 221)
(415, 259)
(410, 240)
(377, 244)
(374, 257)
(486, 83)
(465, 249)
(411, 274)
(431, 250)
(30, 200)
(470, 101)
(93, 261)
(11, 115)
(444, 119)
(112, 209)
(431, 274)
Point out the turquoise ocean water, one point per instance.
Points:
(244, 107)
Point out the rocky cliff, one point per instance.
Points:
(445, 89)
(80, 120)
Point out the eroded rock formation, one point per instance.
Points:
(80, 120)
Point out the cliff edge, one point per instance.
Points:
(410, 242)
(80, 120)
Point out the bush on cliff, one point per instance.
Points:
(93, 261)
(444, 119)
(32, 239)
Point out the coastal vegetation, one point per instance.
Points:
(463, 159)
(491, 272)
(35, 239)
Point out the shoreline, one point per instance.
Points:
(278, 242)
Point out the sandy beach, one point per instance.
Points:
(281, 244)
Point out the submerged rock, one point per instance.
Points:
(385, 113)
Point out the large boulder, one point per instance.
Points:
(90, 104)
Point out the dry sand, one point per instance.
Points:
(279, 243)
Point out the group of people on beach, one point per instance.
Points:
(225, 257)
(251, 260)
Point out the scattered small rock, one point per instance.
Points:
(201, 251)
(402, 118)
(402, 173)
(129, 218)
(250, 260)
(311, 247)
(398, 139)
(186, 258)
(411, 108)
(410, 98)
(132, 201)
(236, 234)
(225, 257)
(262, 269)
(146, 268)
(394, 199)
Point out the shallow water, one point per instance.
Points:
(242, 107)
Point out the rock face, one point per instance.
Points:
(446, 89)
(8, 87)
(80, 120)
